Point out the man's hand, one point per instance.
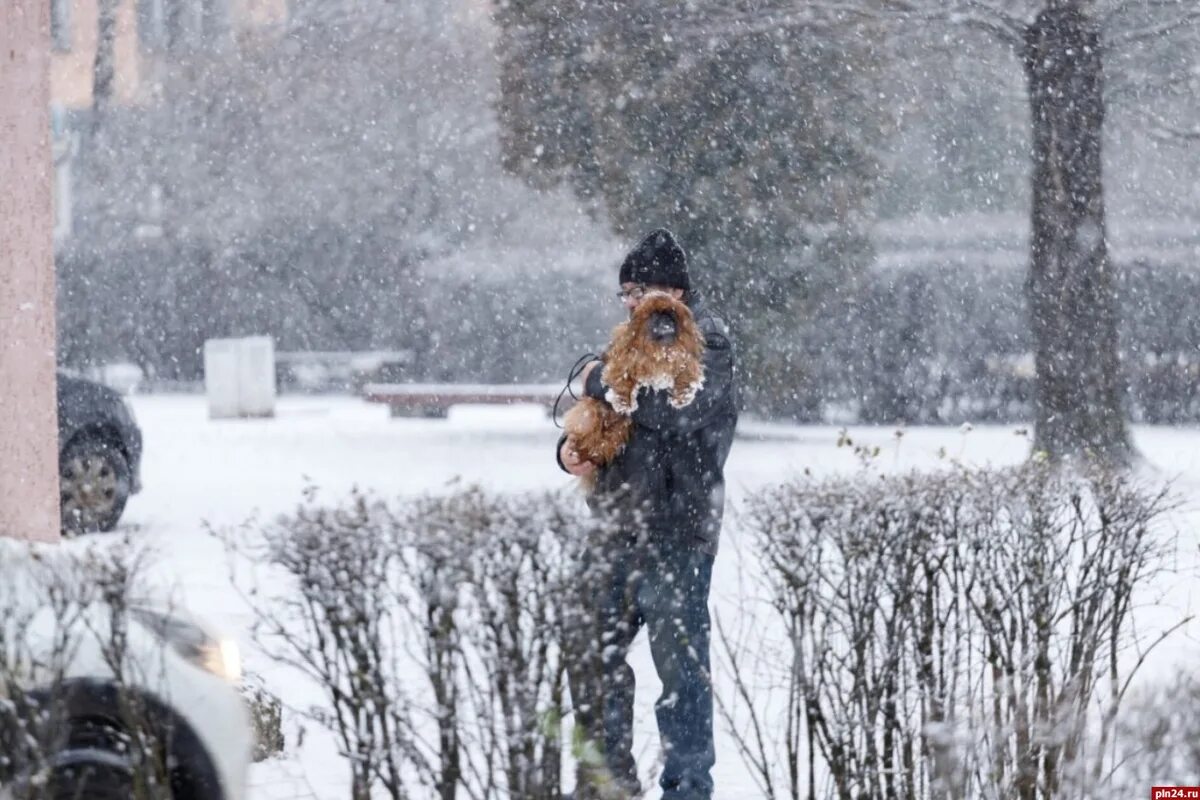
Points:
(573, 462)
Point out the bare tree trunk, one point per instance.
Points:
(104, 67)
(1072, 300)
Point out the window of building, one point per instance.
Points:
(181, 24)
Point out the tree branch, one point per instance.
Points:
(1162, 130)
(1015, 41)
(739, 24)
(1128, 6)
(1140, 87)
(1172, 135)
(1004, 27)
(1155, 31)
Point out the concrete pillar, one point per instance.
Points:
(28, 413)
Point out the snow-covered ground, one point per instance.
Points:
(200, 473)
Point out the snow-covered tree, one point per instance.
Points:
(593, 96)
(1063, 47)
(754, 141)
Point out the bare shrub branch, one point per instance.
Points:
(964, 633)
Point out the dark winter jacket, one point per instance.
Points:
(673, 469)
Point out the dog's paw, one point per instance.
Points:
(682, 398)
(619, 403)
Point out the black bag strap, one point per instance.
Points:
(574, 372)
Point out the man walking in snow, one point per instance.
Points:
(665, 492)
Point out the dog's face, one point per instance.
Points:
(662, 328)
(657, 320)
(634, 294)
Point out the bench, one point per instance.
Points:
(313, 370)
(435, 399)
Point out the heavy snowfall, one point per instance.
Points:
(340, 258)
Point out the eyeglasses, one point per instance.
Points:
(636, 293)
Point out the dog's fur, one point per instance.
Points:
(637, 357)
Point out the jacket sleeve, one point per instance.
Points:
(594, 387)
(655, 411)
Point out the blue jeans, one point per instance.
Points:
(666, 590)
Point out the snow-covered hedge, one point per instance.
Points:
(436, 628)
(960, 633)
(963, 633)
(944, 338)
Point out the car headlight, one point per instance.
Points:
(220, 656)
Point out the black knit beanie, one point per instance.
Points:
(658, 260)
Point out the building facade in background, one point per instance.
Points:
(147, 33)
(146, 30)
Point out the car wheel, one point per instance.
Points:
(94, 484)
(96, 765)
(94, 779)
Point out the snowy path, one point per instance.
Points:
(198, 471)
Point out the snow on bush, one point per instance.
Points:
(1158, 741)
(435, 627)
(964, 633)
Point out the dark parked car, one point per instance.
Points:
(99, 455)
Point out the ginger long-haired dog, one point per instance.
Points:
(660, 347)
